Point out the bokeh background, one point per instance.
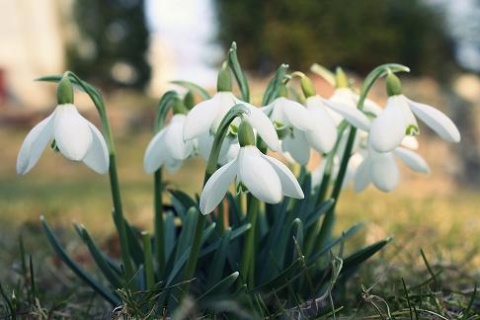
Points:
(132, 49)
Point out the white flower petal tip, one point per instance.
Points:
(436, 120)
(264, 177)
(264, 127)
(413, 160)
(75, 137)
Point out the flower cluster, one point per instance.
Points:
(283, 125)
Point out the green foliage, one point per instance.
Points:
(112, 43)
(355, 34)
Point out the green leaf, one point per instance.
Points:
(324, 73)
(271, 92)
(170, 235)
(106, 294)
(282, 280)
(99, 258)
(238, 73)
(184, 199)
(316, 214)
(352, 262)
(195, 88)
(215, 270)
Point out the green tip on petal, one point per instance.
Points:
(246, 137)
(394, 86)
(224, 80)
(65, 91)
(341, 80)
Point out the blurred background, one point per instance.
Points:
(131, 49)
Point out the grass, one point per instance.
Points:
(429, 271)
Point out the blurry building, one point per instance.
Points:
(32, 42)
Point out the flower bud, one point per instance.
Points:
(246, 137)
(341, 80)
(224, 80)
(189, 100)
(65, 91)
(394, 86)
(179, 107)
(307, 87)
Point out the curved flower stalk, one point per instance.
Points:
(228, 150)
(74, 136)
(293, 119)
(266, 178)
(381, 168)
(398, 120)
(167, 148)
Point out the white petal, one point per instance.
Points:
(203, 117)
(97, 157)
(229, 150)
(388, 129)
(205, 143)
(34, 144)
(436, 120)
(173, 165)
(384, 172)
(264, 127)
(217, 186)
(317, 174)
(362, 177)
(71, 132)
(176, 146)
(412, 159)
(324, 134)
(295, 114)
(372, 107)
(290, 186)
(297, 146)
(155, 154)
(410, 142)
(258, 175)
(350, 114)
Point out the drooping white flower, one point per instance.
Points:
(293, 119)
(228, 151)
(168, 148)
(398, 120)
(381, 168)
(266, 178)
(75, 137)
(206, 116)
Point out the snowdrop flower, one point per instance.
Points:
(206, 116)
(381, 168)
(398, 120)
(292, 119)
(73, 135)
(168, 147)
(267, 178)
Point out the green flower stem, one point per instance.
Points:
(247, 268)
(158, 223)
(119, 219)
(148, 263)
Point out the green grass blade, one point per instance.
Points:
(225, 285)
(271, 92)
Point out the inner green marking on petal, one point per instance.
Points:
(54, 146)
(412, 130)
(241, 188)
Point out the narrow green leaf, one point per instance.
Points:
(106, 294)
(352, 262)
(219, 260)
(323, 72)
(316, 214)
(282, 280)
(238, 73)
(222, 286)
(271, 92)
(98, 256)
(195, 88)
(170, 235)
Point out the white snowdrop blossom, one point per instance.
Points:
(228, 151)
(168, 148)
(75, 137)
(381, 168)
(398, 120)
(266, 178)
(293, 118)
(206, 116)
(324, 134)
